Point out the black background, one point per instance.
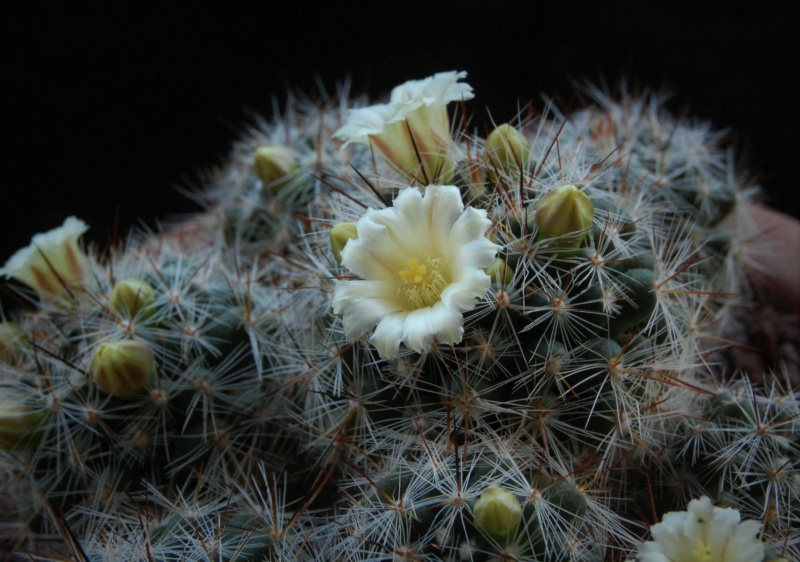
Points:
(106, 110)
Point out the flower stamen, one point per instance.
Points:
(703, 551)
(422, 283)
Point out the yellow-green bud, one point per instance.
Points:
(507, 150)
(273, 163)
(497, 512)
(131, 296)
(564, 213)
(123, 368)
(18, 421)
(500, 271)
(12, 343)
(340, 234)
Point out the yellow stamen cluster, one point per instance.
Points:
(703, 552)
(422, 283)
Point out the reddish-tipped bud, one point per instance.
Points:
(12, 343)
(18, 421)
(123, 368)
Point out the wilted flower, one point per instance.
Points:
(703, 533)
(421, 266)
(412, 131)
(53, 263)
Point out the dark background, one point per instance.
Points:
(107, 110)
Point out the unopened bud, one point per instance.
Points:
(131, 296)
(497, 512)
(500, 271)
(18, 421)
(273, 163)
(508, 151)
(340, 234)
(564, 213)
(12, 343)
(123, 368)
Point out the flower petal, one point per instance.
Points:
(471, 225)
(374, 254)
(472, 285)
(362, 122)
(389, 334)
(438, 322)
(443, 207)
(442, 87)
(362, 304)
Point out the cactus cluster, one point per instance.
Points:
(389, 338)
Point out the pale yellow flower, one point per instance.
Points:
(703, 533)
(421, 266)
(53, 263)
(412, 131)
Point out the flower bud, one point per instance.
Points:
(507, 151)
(340, 234)
(273, 163)
(12, 342)
(123, 368)
(53, 264)
(131, 296)
(500, 271)
(497, 512)
(564, 213)
(18, 421)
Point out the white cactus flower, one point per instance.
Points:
(412, 131)
(421, 267)
(53, 263)
(703, 533)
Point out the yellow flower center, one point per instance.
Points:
(422, 283)
(703, 552)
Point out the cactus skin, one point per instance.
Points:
(579, 387)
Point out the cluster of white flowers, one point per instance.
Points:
(421, 261)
